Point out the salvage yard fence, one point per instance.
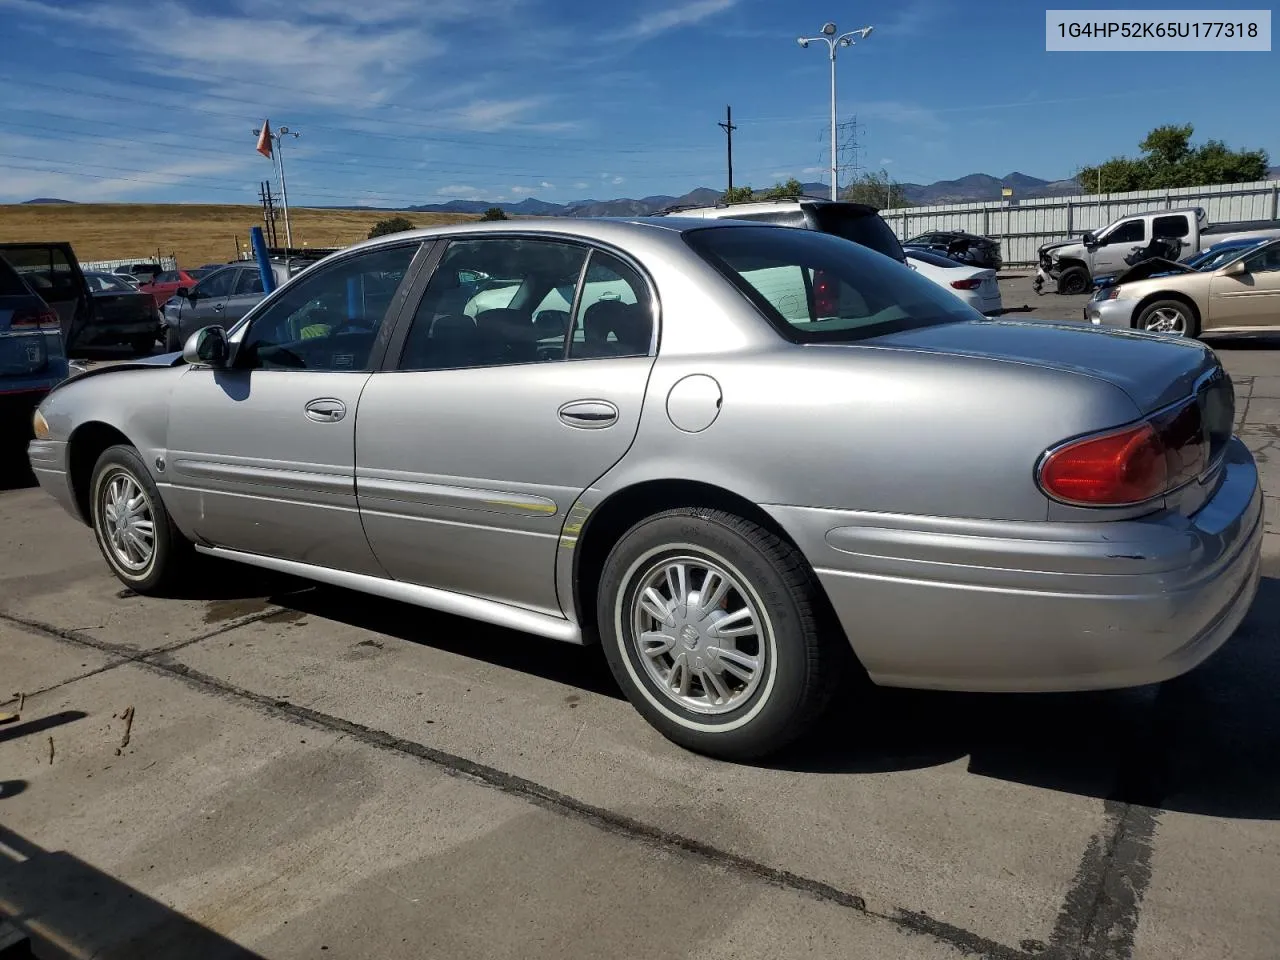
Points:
(106, 266)
(1022, 226)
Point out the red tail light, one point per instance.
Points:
(1130, 465)
(825, 298)
(966, 284)
(29, 318)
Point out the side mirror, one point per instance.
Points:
(1236, 269)
(1090, 238)
(207, 346)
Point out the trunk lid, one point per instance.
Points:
(1154, 371)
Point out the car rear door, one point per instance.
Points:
(206, 306)
(244, 296)
(53, 273)
(490, 423)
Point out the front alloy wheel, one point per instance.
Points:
(1168, 319)
(139, 541)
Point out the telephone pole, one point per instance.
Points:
(727, 126)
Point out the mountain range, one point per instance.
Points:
(971, 189)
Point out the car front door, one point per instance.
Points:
(1251, 298)
(261, 455)
(492, 422)
(1109, 256)
(203, 306)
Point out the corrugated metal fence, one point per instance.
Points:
(1022, 226)
(106, 266)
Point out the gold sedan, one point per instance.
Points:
(1235, 291)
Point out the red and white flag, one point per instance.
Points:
(264, 140)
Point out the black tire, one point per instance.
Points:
(1189, 324)
(1073, 280)
(171, 555)
(172, 341)
(803, 660)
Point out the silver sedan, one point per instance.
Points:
(754, 464)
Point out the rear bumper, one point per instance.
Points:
(1056, 606)
(98, 335)
(48, 459)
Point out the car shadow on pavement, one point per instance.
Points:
(15, 471)
(566, 663)
(1245, 341)
(69, 908)
(1204, 743)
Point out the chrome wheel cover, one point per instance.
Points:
(1167, 320)
(698, 633)
(126, 525)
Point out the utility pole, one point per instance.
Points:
(728, 128)
(268, 212)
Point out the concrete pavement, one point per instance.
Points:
(313, 773)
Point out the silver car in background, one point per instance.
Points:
(751, 462)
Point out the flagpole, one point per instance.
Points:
(284, 197)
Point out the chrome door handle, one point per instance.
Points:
(217, 306)
(589, 414)
(326, 410)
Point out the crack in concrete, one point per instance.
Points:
(546, 798)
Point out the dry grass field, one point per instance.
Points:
(194, 233)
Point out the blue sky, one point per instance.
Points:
(420, 101)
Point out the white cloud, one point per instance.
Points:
(815, 170)
(547, 186)
(581, 185)
(660, 21)
(885, 161)
(616, 180)
(458, 190)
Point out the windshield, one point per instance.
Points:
(859, 225)
(1215, 257)
(815, 287)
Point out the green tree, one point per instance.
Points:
(737, 195)
(1169, 159)
(876, 190)
(494, 213)
(792, 188)
(393, 225)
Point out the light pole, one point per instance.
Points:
(278, 137)
(829, 32)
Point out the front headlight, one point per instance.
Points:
(40, 426)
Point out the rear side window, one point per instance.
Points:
(46, 270)
(1171, 227)
(867, 229)
(816, 287)
(11, 284)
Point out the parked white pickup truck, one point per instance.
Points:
(1074, 265)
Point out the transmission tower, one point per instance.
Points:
(848, 150)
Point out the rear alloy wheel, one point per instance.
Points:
(1168, 316)
(710, 625)
(134, 531)
(1074, 280)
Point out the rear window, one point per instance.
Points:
(11, 284)
(816, 287)
(46, 270)
(937, 259)
(865, 228)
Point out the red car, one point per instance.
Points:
(166, 284)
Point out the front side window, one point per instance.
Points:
(1131, 231)
(1264, 261)
(216, 284)
(330, 320)
(815, 287)
(495, 301)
